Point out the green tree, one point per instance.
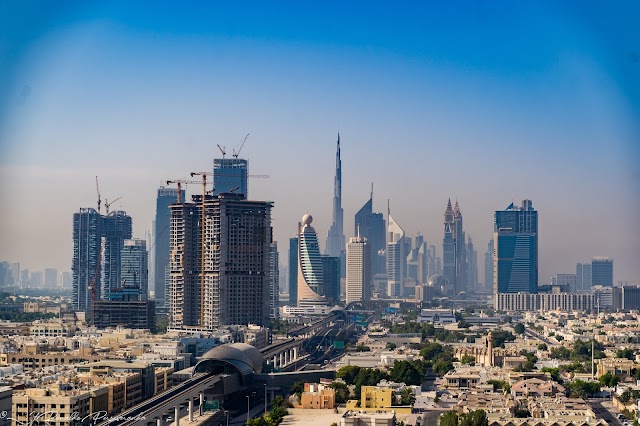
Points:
(298, 388)
(259, 421)
(542, 347)
(407, 397)
(391, 346)
(341, 390)
(554, 373)
(407, 372)
(463, 324)
(560, 353)
(609, 380)
(625, 353)
(582, 389)
(499, 337)
(348, 373)
(450, 418)
(362, 348)
(474, 418)
(519, 328)
(499, 384)
(441, 367)
(468, 359)
(431, 350)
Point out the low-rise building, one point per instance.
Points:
(317, 396)
(363, 418)
(617, 366)
(536, 388)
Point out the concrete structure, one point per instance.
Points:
(128, 313)
(161, 243)
(293, 271)
(395, 258)
(626, 298)
(568, 282)
(52, 329)
(228, 283)
(111, 366)
(363, 418)
(358, 270)
(335, 237)
(310, 271)
(602, 271)
(87, 246)
(134, 263)
(516, 249)
(616, 366)
(544, 302)
(536, 388)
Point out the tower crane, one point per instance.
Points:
(98, 191)
(236, 154)
(108, 204)
(222, 149)
(181, 182)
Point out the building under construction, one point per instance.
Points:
(219, 261)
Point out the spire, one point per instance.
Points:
(457, 207)
(371, 191)
(449, 209)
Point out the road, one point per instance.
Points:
(604, 410)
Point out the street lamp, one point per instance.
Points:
(248, 409)
(265, 399)
(226, 413)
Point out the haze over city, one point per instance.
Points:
(474, 102)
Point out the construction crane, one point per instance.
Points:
(236, 154)
(222, 149)
(181, 182)
(98, 190)
(108, 204)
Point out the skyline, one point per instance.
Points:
(487, 105)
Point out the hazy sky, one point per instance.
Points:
(484, 102)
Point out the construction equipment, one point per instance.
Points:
(181, 182)
(236, 154)
(98, 190)
(222, 149)
(108, 204)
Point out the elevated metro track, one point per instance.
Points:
(157, 406)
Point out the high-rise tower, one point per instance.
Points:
(233, 287)
(602, 271)
(396, 258)
(116, 228)
(335, 238)
(358, 287)
(230, 174)
(459, 237)
(274, 281)
(87, 251)
(166, 197)
(134, 262)
(449, 249)
(515, 235)
(310, 270)
(371, 226)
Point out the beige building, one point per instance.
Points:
(32, 356)
(318, 396)
(52, 329)
(358, 284)
(619, 366)
(359, 418)
(536, 388)
(68, 406)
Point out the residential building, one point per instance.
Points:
(516, 249)
(568, 282)
(116, 228)
(602, 271)
(317, 396)
(220, 276)
(395, 259)
(534, 388)
(274, 280)
(87, 259)
(310, 270)
(544, 302)
(358, 270)
(161, 243)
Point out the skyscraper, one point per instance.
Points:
(230, 175)
(602, 271)
(293, 271)
(423, 263)
(358, 286)
(116, 228)
(134, 262)
(472, 266)
(396, 258)
(488, 266)
(310, 270)
(50, 278)
(331, 272)
(583, 277)
(449, 269)
(223, 278)
(274, 281)
(459, 238)
(371, 226)
(166, 197)
(86, 264)
(335, 238)
(516, 249)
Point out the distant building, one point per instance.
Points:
(134, 265)
(472, 266)
(335, 238)
(488, 266)
(395, 259)
(310, 270)
(626, 298)
(449, 248)
(50, 278)
(516, 249)
(583, 277)
(293, 271)
(513, 302)
(358, 270)
(161, 243)
(371, 226)
(116, 228)
(331, 272)
(566, 281)
(129, 314)
(602, 271)
(274, 281)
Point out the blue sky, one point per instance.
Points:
(486, 102)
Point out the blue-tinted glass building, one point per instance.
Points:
(516, 249)
(230, 175)
(293, 271)
(331, 276)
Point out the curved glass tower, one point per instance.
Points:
(310, 276)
